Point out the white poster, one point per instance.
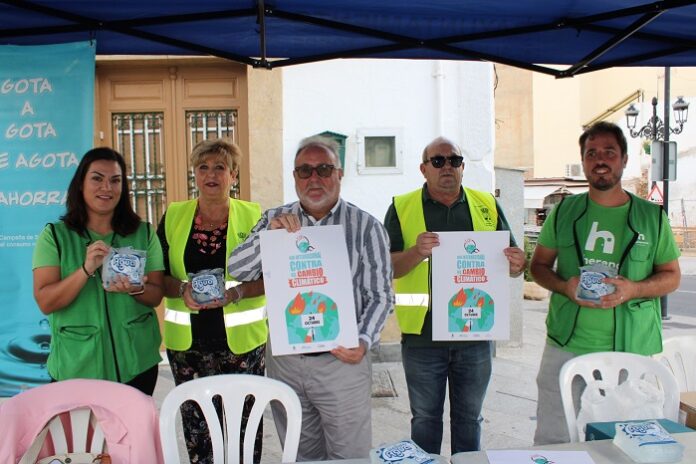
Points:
(471, 286)
(538, 457)
(309, 290)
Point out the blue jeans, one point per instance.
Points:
(467, 370)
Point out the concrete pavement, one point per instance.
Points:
(510, 406)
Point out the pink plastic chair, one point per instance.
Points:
(97, 415)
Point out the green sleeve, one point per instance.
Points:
(45, 250)
(547, 237)
(667, 249)
(155, 260)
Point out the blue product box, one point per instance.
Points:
(606, 430)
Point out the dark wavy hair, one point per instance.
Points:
(600, 128)
(124, 221)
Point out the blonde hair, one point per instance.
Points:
(224, 148)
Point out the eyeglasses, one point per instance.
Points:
(438, 161)
(323, 170)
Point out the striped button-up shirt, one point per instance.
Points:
(368, 253)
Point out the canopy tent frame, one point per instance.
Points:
(458, 46)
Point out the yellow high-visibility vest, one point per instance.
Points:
(245, 321)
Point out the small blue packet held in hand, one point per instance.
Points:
(591, 287)
(208, 285)
(125, 261)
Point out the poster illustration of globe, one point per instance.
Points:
(470, 310)
(311, 317)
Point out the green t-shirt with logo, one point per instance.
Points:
(594, 330)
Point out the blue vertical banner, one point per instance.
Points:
(46, 125)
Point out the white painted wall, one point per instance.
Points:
(422, 98)
(682, 193)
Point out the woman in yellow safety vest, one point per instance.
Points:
(227, 335)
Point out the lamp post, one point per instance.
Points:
(655, 129)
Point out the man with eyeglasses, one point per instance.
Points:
(616, 238)
(413, 220)
(334, 387)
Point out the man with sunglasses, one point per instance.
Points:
(334, 387)
(412, 220)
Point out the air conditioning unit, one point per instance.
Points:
(573, 170)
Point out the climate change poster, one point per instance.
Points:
(471, 286)
(46, 125)
(309, 290)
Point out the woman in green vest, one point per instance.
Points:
(227, 336)
(99, 333)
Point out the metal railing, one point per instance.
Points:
(209, 124)
(138, 137)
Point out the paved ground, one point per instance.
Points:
(510, 406)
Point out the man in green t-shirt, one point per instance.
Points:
(613, 232)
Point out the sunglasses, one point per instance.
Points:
(438, 161)
(323, 170)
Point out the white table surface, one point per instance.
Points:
(601, 451)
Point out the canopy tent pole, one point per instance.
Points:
(261, 20)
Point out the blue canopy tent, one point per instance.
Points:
(586, 35)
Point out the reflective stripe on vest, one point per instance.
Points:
(177, 317)
(231, 320)
(245, 317)
(412, 299)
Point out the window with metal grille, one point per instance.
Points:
(209, 124)
(138, 137)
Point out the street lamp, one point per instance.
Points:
(655, 129)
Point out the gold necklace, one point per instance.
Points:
(204, 221)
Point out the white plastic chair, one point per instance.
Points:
(233, 389)
(679, 355)
(81, 421)
(614, 368)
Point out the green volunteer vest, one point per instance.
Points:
(412, 292)
(245, 321)
(638, 323)
(101, 335)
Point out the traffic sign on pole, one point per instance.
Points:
(655, 195)
(657, 150)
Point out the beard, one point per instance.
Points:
(604, 182)
(318, 203)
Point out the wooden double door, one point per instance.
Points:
(154, 111)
